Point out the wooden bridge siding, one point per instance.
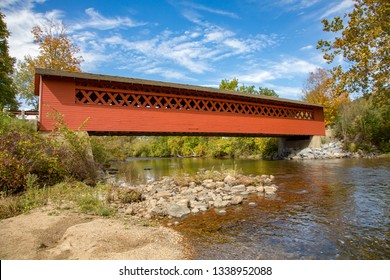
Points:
(60, 94)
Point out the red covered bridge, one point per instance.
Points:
(117, 105)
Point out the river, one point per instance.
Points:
(324, 209)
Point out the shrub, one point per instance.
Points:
(363, 123)
(52, 159)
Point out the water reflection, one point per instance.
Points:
(330, 209)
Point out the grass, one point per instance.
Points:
(66, 195)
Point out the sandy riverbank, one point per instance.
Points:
(46, 234)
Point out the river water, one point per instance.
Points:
(324, 209)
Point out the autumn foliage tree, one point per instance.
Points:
(362, 40)
(318, 90)
(56, 51)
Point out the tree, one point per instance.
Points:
(7, 90)
(229, 85)
(268, 92)
(364, 44)
(56, 51)
(233, 85)
(317, 90)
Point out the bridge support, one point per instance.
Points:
(286, 144)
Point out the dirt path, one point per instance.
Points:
(42, 235)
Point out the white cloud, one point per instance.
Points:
(297, 4)
(210, 10)
(97, 21)
(20, 23)
(286, 69)
(11, 4)
(257, 77)
(286, 91)
(293, 66)
(341, 8)
(305, 48)
(194, 50)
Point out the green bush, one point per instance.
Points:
(363, 124)
(50, 158)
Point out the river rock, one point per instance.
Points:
(251, 189)
(198, 204)
(270, 189)
(164, 197)
(260, 189)
(238, 189)
(176, 210)
(210, 185)
(163, 194)
(236, 200)
(129, 210)
(157, 211)
(221, 211)
(229, 179)
(183, 202)
(219, 203)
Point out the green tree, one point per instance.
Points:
(362, 40)
(233, 85)
(56, 51)
(229, 85)
(7, 90)
(317, 90)
(268, 92)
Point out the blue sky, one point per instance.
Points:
(267, 43)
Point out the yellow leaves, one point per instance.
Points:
(364, 44)
(56, 50)
(318, 90)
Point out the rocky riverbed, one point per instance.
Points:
(178, 197)
(333, 150)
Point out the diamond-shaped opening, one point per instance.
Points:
(79, 95)
(192, 104)
(152, 100)
(93, 97)
(119, 98)
(141, 101)
(130, 99)
(201, 105)
(182, 103)
(225, 107)
(218, 106)
(106, 97)
(239, 107)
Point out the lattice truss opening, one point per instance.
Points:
(147, 98)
